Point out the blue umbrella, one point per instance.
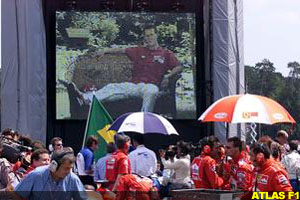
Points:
(143, 122)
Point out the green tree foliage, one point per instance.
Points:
(175, 31)
(262, 79)
(294, 70)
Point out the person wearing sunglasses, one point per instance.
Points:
(57, 144)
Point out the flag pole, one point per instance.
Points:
(87, 122)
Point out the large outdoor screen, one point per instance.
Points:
(130, 61)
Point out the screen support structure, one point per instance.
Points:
(63, 128)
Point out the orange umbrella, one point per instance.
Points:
(246, 108)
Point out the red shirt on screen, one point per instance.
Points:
(118, 163)
(149, 66)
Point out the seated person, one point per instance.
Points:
(151, 64)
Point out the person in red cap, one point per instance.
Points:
(118, 164)
(203, 167)
(241, 169)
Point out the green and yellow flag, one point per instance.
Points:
(97, 125)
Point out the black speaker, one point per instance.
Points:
(12, 150)
(11, 153)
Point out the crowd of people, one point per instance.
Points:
(132, 170)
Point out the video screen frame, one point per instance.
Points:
(135, 37)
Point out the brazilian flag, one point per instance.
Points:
(98, 123)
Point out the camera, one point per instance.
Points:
(170, 154)
(12, 150)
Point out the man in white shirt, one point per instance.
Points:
(143, 160)
(291, 162)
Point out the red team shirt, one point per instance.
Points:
(141, 186)
(118, 163)
(272, 178)
(195, 171)
(149, 66)
(207, 176)
(242, 172)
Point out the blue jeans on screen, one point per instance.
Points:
(116, 91)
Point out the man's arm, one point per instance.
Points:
(123, 169)
(117, 182)
(174, 71)
(88, 162)
(155, 162)
(213, 178)
(171, 165)
(25, 187)
(281, 183)
(96, 172)
(78, 190)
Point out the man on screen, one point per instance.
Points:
(151, 64)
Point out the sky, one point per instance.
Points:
(272, 31)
